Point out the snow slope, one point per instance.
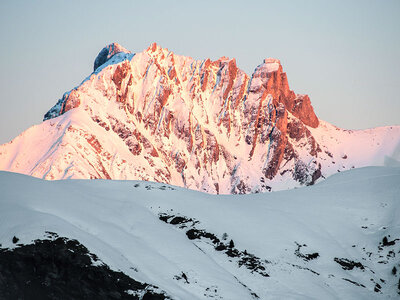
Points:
(200, 124)
(292, 244)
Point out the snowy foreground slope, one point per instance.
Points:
(338, 239)
(200, 124)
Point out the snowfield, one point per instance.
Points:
(338, 239)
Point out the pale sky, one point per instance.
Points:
(344, 54)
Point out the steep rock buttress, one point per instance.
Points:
(200, 124)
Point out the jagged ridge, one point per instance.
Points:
(205, 125)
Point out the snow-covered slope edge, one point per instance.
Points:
(200, 124)
(339, 239)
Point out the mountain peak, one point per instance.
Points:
(225, 58)
(271, 60)
(107, 52)
(201, 124)
(154, 47)
(272, 64)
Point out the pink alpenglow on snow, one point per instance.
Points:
(200, 124)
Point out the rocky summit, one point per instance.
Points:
(200, 124)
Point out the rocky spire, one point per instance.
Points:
(106, 53)
(200, 124)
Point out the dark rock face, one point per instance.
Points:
(305, 256)
(63, 269)
(386, 242)
(353, 282)
(101, 58)
(348, 264)
(244, 258)
(106, 53)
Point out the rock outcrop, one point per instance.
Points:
(202, 124)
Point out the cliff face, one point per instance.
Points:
(205, 125)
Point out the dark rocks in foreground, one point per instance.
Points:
(64, 269)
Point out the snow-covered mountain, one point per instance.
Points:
(204, 125)
(338, 239)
